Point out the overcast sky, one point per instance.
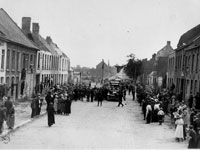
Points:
(91, 30)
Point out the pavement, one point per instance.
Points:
(90, 127)
(22, 116)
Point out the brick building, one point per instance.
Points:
(18, 59)
(52, 65)
(187, 72)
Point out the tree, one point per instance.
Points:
(134, 67)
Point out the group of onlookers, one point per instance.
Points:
(7, 113)
(184, 116)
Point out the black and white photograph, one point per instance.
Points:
(99, 74)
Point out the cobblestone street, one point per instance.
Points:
(90, 126)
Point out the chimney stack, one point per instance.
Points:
(48, 39)
(168, 43)
(35, 28)
(26, 24)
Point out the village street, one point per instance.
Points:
(90, 127)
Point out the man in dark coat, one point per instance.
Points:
(50, 114)
(8, 104)
(120, 96)
(49, 98)
(193, 136)
(99, 97)
(33, 108)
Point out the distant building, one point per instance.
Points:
(158, 75)
(104, 71)
(171, 70)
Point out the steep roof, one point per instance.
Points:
(165, 51)
(101, 64)
(41, 43)
(189, 36)
(12, 32)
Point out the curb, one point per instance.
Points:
(6, 133)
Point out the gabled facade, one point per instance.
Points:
(157, 67)
(20, 56)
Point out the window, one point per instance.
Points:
(18, 62)
(191, 86)
(197, 64)
(195, 87)
(38, 61)
(2, 80)
(13, 60)
(2, 58)
(192, 69)
(8, 59)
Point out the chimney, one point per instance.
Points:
(35, 28)
(26, 24)
(48, 39)
(168, 43)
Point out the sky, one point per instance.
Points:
(88, 31)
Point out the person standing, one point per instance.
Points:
(37, 104)
(33, 108)
(186, 120)
(11, 118)
(99, 97)
(193, 138)
(148, 113)
(49, 98)
(120, 96)
(56, 103)
(198, 139)
(50, 114)
(2, 116)
(8, 104)
(179, 128)
(161, 115)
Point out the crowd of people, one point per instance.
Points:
(184, 115)
(154, 106)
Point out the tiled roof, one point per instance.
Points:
(189, 36)
(41, 42)
(165, 51)
(12, 32)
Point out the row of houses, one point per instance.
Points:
(177, 69)
(27, 60)
(183, 64)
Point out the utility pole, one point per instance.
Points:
(102, 70)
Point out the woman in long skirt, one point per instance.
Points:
(179, 129)
(51, 117)
(11, 118)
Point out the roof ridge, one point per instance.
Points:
(19, 29)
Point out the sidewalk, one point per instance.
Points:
(22, 115)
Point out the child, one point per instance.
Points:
(161, 115)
